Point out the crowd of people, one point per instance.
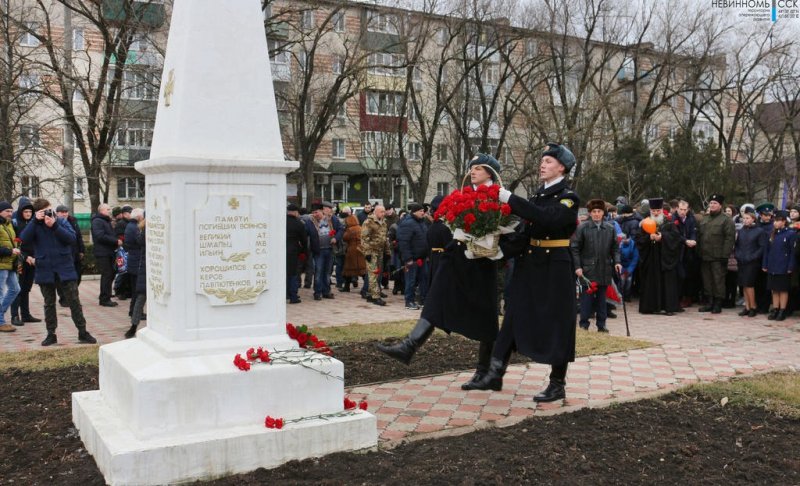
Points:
(42, 245)
(672, 258)
(377, 246)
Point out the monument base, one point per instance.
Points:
(124, 459)
(163, 419)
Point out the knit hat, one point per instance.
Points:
(62, 209)
(414, 207)
(5, 205)
(436, 202)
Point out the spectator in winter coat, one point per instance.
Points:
(629, 258)
(20, 308)
(413, 244)
(596, 257)
(134, 249)
(52, 239)
(9, 286)
(751, 242)
(296, 238)
(779, 262)
(141, 281)
(78, 250)
(105, 245)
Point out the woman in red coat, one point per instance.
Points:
(354, 264)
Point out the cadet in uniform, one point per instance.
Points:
(540, 316)
(463, 292)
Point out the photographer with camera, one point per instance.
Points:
(52, 239)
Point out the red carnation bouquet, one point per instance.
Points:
(478, 218)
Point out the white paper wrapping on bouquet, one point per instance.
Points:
(486, 241)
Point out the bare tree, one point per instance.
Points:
(29, 137)
(315, 96)
(93, 91)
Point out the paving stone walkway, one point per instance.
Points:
(688, 347)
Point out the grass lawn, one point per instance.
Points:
(588, 343)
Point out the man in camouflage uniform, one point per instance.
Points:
(374, 245)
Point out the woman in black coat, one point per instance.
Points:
(140, 291)
(134, 249)
(749, 249)
(462, 295)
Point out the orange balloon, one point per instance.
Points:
(649, 225)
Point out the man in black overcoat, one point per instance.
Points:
(296, 238)
(540, 316)
(462, 296)
(659, 256)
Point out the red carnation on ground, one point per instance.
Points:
(362, 405)
(273, 423)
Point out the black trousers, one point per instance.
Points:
(70, 290)
(105, 265)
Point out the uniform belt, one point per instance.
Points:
(550, 243)
(437, 250)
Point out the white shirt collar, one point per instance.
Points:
(487, 183)
(553, 182)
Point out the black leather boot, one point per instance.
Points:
(708, 307)
(130, 332)
(484, 359)
(716, 308)
(493, 378)
(554, 391)
(781, 315)
(405, 349)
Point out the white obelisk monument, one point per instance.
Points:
(172, 406)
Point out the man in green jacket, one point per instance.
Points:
(717, 235)
(9, 285)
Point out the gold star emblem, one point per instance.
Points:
(169, 88)
(233, 203)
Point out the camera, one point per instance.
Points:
(50, 212)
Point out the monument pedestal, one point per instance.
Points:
(172, 407)
(164, 420)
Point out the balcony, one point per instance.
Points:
(280, 72)
(151, 14)
(125, 157)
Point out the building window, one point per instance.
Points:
(307, 19)
(337, 66)
(384, 104)
(338, 148)
(441, 151)
(381, 22)
(278, 52)
(302, 59)
(30, 186)
(78, 41)
(341, 112)
(138, 85)
(442, 188)
(490, 74)
(386, 64)
(379, 145)
(79, 185)
(27, 39)
(338, 21)
(29, 136)
(130, 188)
(135, 135)
(415, 151)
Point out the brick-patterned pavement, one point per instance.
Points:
(690, 347)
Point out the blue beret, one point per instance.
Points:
(484, 159)
(560, 153)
